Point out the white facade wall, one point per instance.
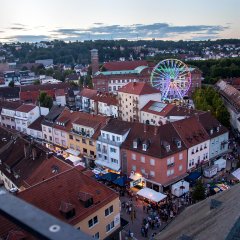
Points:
(47, 133)
(8, 118)
(8, 184)
(197, 154)
(23, 119)
(34, 133)
(114, 85)
(61, 100)
(144, 99)
(153, 119)
(108, 150)
(108, 110)
(216, 146)
(60, 137)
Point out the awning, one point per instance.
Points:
(121, 181)
(236, 173)
(102, 164)
(110, 176)
(193, 176)
(73, 152)
(151, 194)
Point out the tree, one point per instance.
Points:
(37, 82)
(11, 84)
(198, 192)
(45, 100)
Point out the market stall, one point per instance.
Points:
(151, 195)
(179, 188)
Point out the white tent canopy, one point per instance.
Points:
(73, 152)
(75, 160)
(151, 194)
(236, 173)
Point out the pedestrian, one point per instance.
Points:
(144, 208)
(134, 213)
(129, 210)
(143, 231)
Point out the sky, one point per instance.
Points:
(34, 21)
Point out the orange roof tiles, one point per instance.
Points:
(88, 93)
(124, 65)
(65, 187)
(138, 88)
(26, 108)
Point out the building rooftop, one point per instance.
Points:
(10, 105)
(124, 65)
(44, 87)
(161, 141)
(54, 112)
(67, 188)
(37, 124)
(191, 131)
(138, 88)
(200, 222)
(213, 127)
(157, 108)
(107, 98)
(117, 126)
(26, 108)
(88, 93)
(9, 93)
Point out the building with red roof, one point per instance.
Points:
(78, 200)
(115, 75)
(133, 96)
(154, 155)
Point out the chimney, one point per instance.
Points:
(25, 150)
(145, 127)
(155, 130)
(34, 153)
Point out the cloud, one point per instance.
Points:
(26, 38)
(131, 32)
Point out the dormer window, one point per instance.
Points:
(217, 129)
(135, 143)
(167, 148)
(179, 144)
(211, 131)
(144, 147)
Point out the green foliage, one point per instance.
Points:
(11, 84)
(36, 82)
(207, 99)
(198, 192)
(45, 100)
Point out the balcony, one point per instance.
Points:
(80, 133)
(170, 165)
(110, 142)
(135, 101)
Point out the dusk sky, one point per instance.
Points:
(29, 20)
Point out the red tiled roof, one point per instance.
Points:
(138, 88)
(44, 87)
(60, 92)
(26, 108)
(49, 168)
(105, 98)
(183, 111)
(124, 65)
(65, 187)
(191, 131)
(156, 136)
(37, 124)
(88, 93)
(10, 105)
(164, 111)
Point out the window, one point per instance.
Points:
(90, 142)
(62, 134)
(118, 139)
(134, 168)
(113, 149)
(99, 155)
(180, 156)
(96, 236)
(49, 130)
(72, 146)
(142, 159)
(84, 140)
(133, 156)
(170, 161)
(144, 147)
(92, 153)
(108, 211)
(152, 162)
(103, 135)
(92, 222)
(170, 172)
(143, 170)
(110, 226)
(63, 143)
(180, 168)
(77, 140)
(152, 173)
(113, 160)
(84, 150)
(113, 138)
(70, 136)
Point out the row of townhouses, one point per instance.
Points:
(158, 155)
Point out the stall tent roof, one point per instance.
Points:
(151, 194)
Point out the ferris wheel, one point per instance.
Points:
(172, 77)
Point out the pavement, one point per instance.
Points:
(136, 224)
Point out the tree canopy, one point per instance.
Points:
(207, 99)
(45, 100)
